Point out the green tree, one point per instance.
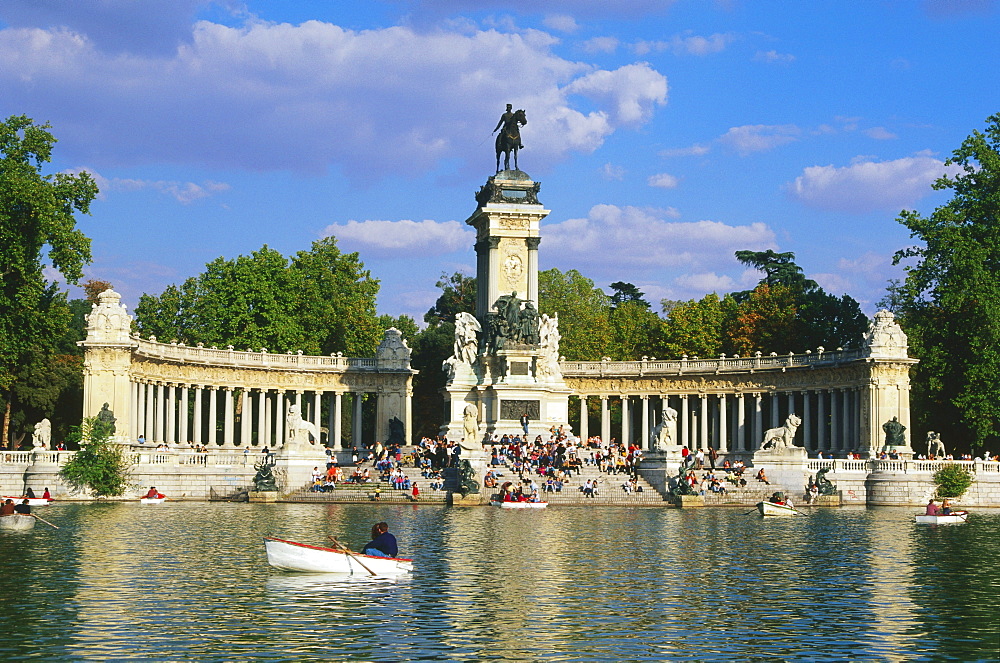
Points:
(101, 465)
(37, 217)
(320, 301)
(584, 313)
(458, 295)
(949, 303)
(694, 328)
(636, 331)
(626, 292)
(952, 480)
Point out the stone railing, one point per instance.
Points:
(141, 457)
(723, 364)
(875, 466)
(245, 359)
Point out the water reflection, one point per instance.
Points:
(191, 581)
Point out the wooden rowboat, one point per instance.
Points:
(17, 522)
(152, 500)
(771, 509)
(519, 505)
(302, 557)
(954, 518)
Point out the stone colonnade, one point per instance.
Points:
(175, 394)
(733, 423)
(234, 416)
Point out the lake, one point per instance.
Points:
(190, 581)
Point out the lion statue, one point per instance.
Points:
(299, 430)
(781, 438)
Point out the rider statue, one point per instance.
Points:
(510, 127)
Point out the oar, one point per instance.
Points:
(351, 555)
(45, 521)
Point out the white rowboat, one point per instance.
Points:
(772, 509)
(302, 557)
(519, 505)
(951, 519)
(17, 522)
(152, 500)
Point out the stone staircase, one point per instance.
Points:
(609, 490)
(351, 493)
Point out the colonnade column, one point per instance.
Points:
(141, 429)
(158, 424)
(626, 427)
(316, 419)
(197, 423)
(723, 424)
(584, 419)
(775, 416)
(834, 422)
(246, 419)
(356, 420)
(644, 433)
(133, 404)
(806, 437)
(171, 414)
(741, 422)
(758, 422)
(605, 421)
(821, 439)
(337, 414)
(227, 427)
(705, 417)
(684, 435)
(262, 440)
(183, 423)
(279, 419)
(213, 416)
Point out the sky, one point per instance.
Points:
(666, 134)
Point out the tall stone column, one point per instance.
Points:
(684, 435)
(183, 422)
(338, 399)
(626, 427)
(246, 419)
(836, 443)
(279, 419)
(806, 422)
(142, 411)
(262, 404)
(822, 442)
(198, 424)
(213, 416)
(317, 411)
(356, 420)
(584, 419)
(408, 409)
(645, 433)
(228, 439)
(723, 424)
(703, 442)
(605, 421)
(775, 410)
(158, 433)
(758, 421)
(133, 401)
(533, 243)
(171, 414)
(741, 422)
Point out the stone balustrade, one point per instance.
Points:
(178, 352)
(723, 364)
(877, 466)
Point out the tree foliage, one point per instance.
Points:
(37, 213)
(101, 465)
(458, 295)
(952, 480)
(319, 301)
(949, 303)
(584, 313)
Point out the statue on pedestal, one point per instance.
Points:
(894, 433)
(509, 139)
(664, 434)
(935, 447)
(42, 437)
(107, 418)
(264, 479)
(777, 439)
(470, 423)
(299, 429)
(467, 330)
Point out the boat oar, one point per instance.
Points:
(350, 554)
(45, 521)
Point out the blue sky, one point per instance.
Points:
(666, 134)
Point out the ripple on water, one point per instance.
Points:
(180, 580)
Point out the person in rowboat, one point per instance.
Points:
(23, 508)
(153, 494)
(932, 508)
(8, 508)
(383, 544)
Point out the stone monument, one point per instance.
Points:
(505, 360)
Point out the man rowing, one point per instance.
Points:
(383, 544)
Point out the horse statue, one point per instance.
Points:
(509, 138)
(299, 429)
(781, 438)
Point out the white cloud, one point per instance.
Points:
(693, 151)
(307, 97)
(601, 45)
(687, 44)
(612, 172)
(428, 237)
(773, 56)
(182, 192)
(868, 186)
(706, 282)
(663, 181)
(759, 137)
(880, 133)
(560, 22)
(645, 240)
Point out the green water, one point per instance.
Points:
(190, 581)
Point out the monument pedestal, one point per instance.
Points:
(293, 468)
(263, 496)
(786, 469)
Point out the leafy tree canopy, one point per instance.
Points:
(627, 292)
(949, 303)
(101, 465)
(584, 313)
(458, 295)
(319, 301)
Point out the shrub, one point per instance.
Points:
(952, 480)
(101, 465)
